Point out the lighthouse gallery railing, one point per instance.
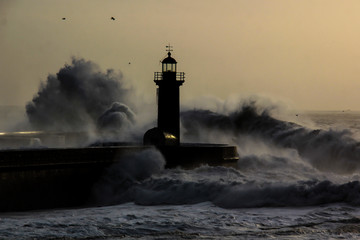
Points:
(180, 76)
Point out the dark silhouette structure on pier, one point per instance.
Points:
(168, 100)
(169, 82)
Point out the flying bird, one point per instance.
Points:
(63, 18)
(112, 18)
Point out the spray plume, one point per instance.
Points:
(116, 185)
(327, 150)
(81, 98)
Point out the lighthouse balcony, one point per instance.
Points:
(177, 76)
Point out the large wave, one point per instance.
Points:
(224, 187)
(82, 98)
(282, 163)
(326, 150)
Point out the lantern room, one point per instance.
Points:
(169, 64)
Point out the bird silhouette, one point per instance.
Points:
(112, 18)
(63, 18)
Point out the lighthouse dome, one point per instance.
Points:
(169, 59)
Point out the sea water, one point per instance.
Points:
(293, 181)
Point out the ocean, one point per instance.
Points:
(295, 179)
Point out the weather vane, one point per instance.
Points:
(169, 48)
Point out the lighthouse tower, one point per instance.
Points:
(168, 99)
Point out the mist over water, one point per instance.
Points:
(297, 176)
(248, 126)
(118, 182)
(283, 162)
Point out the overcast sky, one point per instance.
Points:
(303, 52)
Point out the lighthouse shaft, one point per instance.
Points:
(169, 103)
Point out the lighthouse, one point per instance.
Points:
(166, 136)
(168, 83)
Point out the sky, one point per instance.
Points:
(303, 53)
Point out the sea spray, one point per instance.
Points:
(115, 122)
(283, 163)
(118, 181)
(277, 168)
(77, 92)
(80, 97)
(327, 150)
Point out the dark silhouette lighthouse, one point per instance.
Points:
(168, 99)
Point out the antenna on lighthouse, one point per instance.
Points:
(169, 48)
